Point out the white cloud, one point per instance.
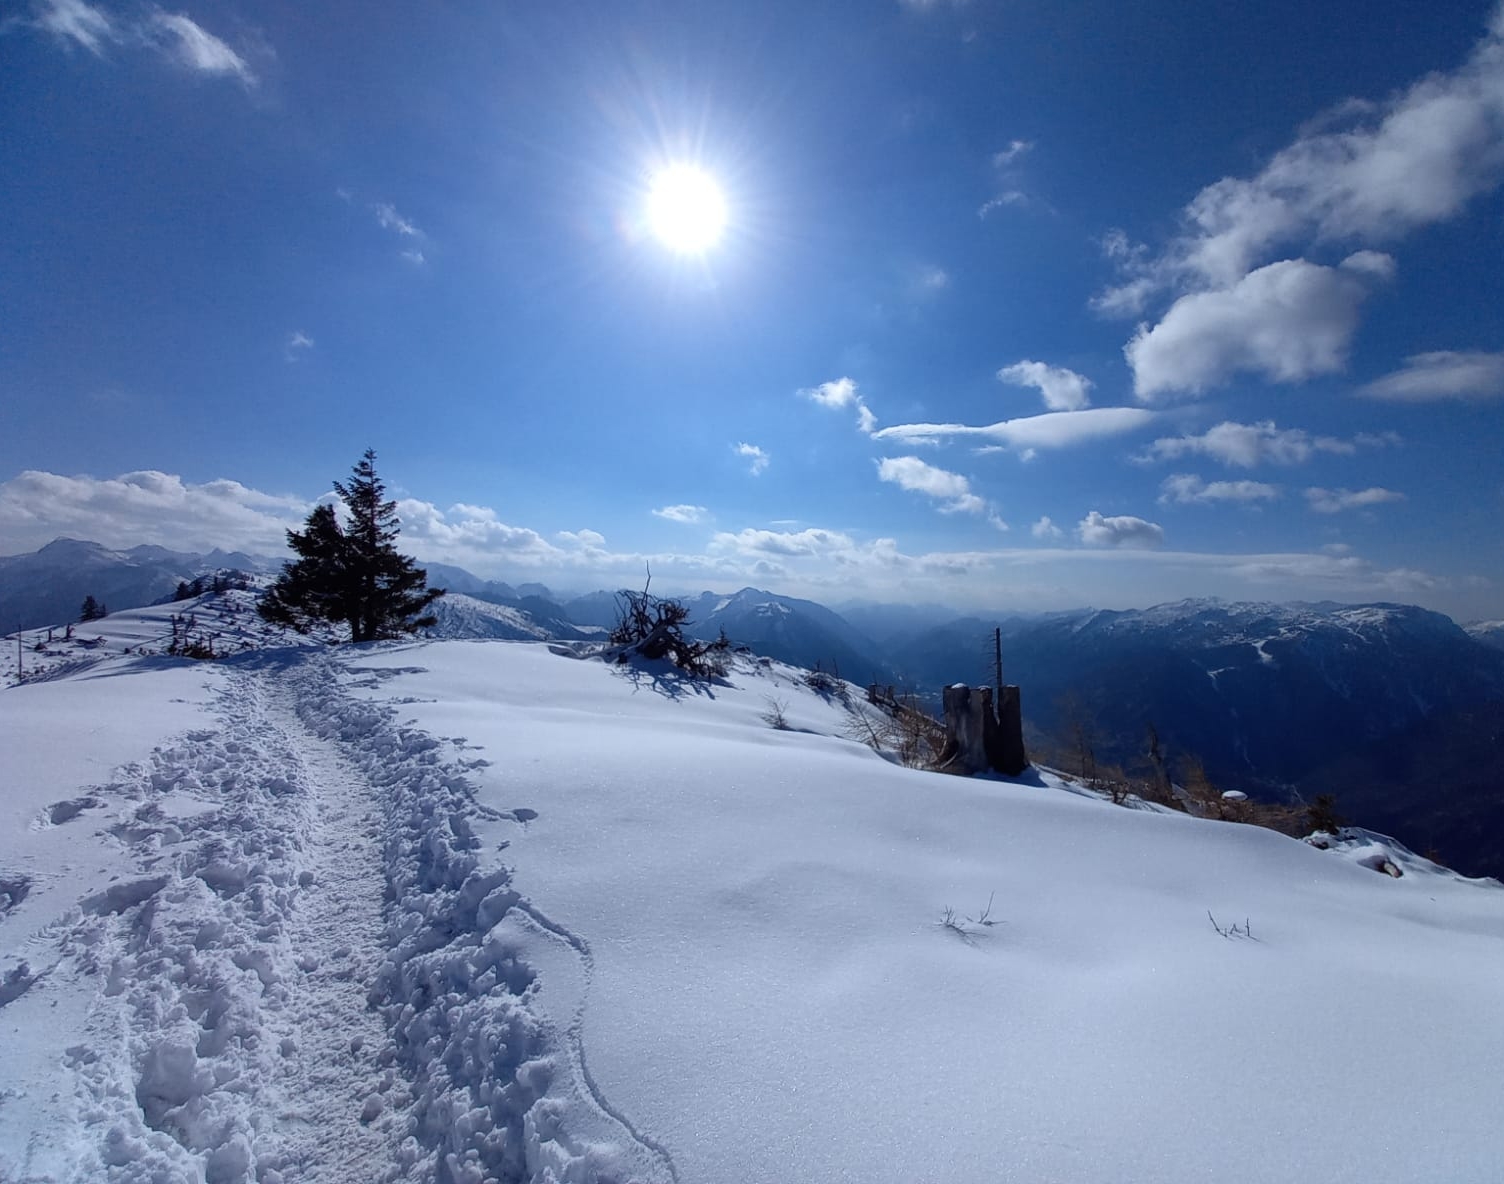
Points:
(145, 507)
(1444, 374)
(1012, 152)
(683, 513)
(1063, 390)
(1009, 197)
(585, 540)
(1334, 501)
(933, 279)
(1367, 172)
(1247, 445)
(1139, 280)
(192, 46)
(827, 560)
(911, 473)
(297, 342)
(1004, 164)
(808, 542)
(463, 534)
(74, 22)
(1188, 489)
(841, 393)
(388, 218)
(758, 458)
(1388, 439)
(1288, 321)
(163, 509)
(1053, 429)
(154, 507)
(416, 258)
(1120, 531)
(173, 35)
(465, 510)
(1125, 300)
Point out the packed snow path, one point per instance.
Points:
(310, 973)
(337, 936)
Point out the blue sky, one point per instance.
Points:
(1018, 304)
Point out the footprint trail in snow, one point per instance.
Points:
(314, 974)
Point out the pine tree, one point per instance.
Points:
(353, 573)
(92, 610)
(1322, 816)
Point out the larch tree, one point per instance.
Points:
(352, 572)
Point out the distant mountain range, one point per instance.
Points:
(47, 587)
(1397, 710)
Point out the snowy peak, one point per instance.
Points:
(64, 552)
(1489, 633)
(461, 616)
(799, 632)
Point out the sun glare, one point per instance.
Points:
(685, 209)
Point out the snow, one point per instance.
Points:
(225, 620)
(461, 616)
(469, 910)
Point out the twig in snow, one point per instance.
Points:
(1233, 930)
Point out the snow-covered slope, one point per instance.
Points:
(461, 616)
(613, 926)
(225, 622)
(1490, 633)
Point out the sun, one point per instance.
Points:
(685, 209)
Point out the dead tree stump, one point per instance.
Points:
(979, 739)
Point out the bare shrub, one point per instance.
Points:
(652, 627)
(774, 715)
(826, 682)
(903, 728)
(965, 927)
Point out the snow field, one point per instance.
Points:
(773, 997)
(464, 911)
(304, 968)
(193, 1063)
(497, 1092)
